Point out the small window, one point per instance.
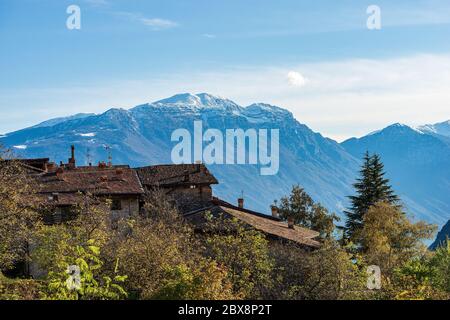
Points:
(116, 205)
(66, 213)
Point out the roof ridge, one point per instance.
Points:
(231, 206)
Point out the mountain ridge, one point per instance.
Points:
(418, 165)
(142, 136)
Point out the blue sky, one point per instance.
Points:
(130, 52)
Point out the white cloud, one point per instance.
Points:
(156, 24)
(296, 79)
(341, 99)
(208, 35)
(159, 24)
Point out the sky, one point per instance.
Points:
(317, 58)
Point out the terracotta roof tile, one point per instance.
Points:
(276, 228)
(107, 181)
(169, 175)
(264, 223)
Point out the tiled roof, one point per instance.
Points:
(63, 199)
(264, 223)
(36, 163)
(100, 181)
(276, 228)
(170, 175)
(30, 165)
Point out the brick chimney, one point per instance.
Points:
(291, 223)
(275, 213)
(72, 162)
(241, 203)
(60, 172)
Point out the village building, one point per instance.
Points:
(63, 187)
(272, 226)
(187, 186)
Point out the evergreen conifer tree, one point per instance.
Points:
(371, 187)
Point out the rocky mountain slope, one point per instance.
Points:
(142, 136)
(418, 165)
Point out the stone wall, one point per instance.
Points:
(189, 199)
(129, 206)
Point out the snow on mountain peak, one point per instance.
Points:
(205, 102)
(55, 121)
(265, 107)
(198, 102)
(400, 127)
(182, 98)
(442, 128)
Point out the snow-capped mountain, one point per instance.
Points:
(442, 128)
(418, 165)
(142, 136)
(55, 121)
(417, 162)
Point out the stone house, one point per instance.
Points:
(64, 186)
(187, 186)
(272, 226)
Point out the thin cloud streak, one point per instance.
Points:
(159, 24)
(155, 24)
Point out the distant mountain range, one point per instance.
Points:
(417, 160)
(442, 129)
(442, 237)
(418, 165)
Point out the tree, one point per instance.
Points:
(78, 274)
(300, 207)
(440, 266)
(163, 258)
(382, 191)
(244, 253)
(19, 289)
(19, 216)
(426, 277)
(413, 281)
(76, 245)
(389, 238)
(207, 281)
(371, 187)
(329, 273)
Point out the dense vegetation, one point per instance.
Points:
(157, 255)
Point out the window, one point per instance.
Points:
(116, 205)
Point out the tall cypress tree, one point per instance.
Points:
(371, 187)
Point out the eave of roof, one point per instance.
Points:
(264, 223)
(276, 228)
